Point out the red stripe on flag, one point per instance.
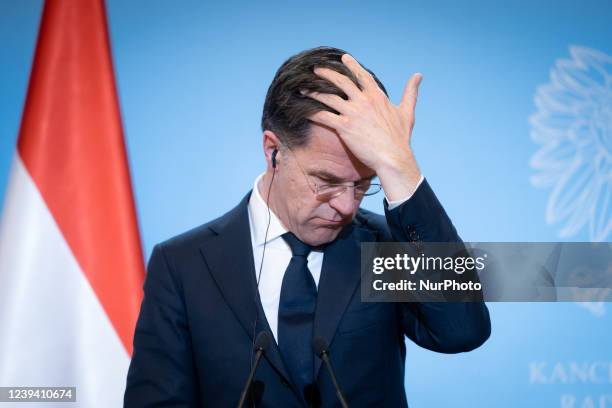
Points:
(72, 145)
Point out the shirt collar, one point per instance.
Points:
(258, 216)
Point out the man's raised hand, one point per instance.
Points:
(376, 131)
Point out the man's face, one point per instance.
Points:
(324, 160)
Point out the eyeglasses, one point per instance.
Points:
(326, 192)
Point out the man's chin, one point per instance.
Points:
(323, 235)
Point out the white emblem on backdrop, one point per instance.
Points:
(573, 126)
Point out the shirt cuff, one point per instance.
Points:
(397, 203)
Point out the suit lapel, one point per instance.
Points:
(229, 256)
(340, 276)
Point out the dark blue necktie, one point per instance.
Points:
(296, 310)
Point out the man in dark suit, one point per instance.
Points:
(285, 261)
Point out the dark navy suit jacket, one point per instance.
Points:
(193, 340)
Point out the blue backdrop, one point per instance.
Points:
(514, 133)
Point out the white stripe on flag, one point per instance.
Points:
(54, 330)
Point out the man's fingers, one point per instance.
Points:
(328, 119)
(409, 98)
(341, 81)
(331, 100)
(363, 76)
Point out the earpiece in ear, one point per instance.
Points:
(274, 153)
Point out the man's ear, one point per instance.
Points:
(271, 146)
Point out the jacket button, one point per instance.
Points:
(284, 383)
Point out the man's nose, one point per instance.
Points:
(344, 203)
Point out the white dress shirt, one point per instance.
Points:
(278, 254)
